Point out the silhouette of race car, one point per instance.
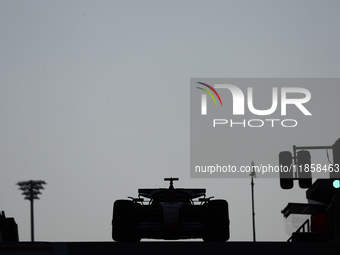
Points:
(170, 214)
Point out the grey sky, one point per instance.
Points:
(94, 99)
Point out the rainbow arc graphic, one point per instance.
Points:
(204, 97)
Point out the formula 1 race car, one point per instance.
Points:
(170, 214)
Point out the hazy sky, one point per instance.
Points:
(94, 99)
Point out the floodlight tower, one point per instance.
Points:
(31, 190)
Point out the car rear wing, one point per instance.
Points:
(193, 193)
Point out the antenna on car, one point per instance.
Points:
(171, 181)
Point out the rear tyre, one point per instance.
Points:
(217, 221)
(124, 218)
